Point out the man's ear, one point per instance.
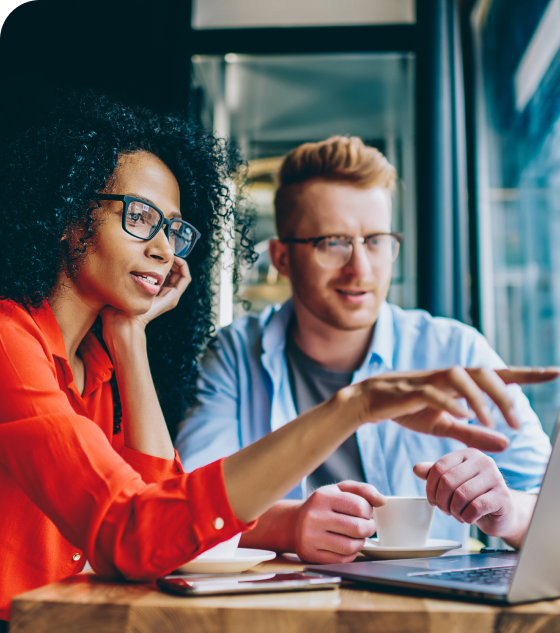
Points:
(280, 257)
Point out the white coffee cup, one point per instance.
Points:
(222, 550)
(404, 522)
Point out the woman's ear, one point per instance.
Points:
(280, 257)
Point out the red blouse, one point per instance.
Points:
(69, 490)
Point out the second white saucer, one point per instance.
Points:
(434, 547)
(244, 559)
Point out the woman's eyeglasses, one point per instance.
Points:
(142, 220)
(335, 251)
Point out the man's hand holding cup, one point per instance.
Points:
(333, 523)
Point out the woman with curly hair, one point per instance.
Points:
(100, 205)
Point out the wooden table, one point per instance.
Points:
(86, 604)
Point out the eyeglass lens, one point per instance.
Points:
(143, 221)
(335, 252)
(180, 236)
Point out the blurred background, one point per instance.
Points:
(462, 96)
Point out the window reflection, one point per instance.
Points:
(271, 104)
(518, 118)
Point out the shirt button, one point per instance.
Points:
(76, 557)
(218, 523)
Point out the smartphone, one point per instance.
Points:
(208, 584)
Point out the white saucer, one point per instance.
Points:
(434, 547)
(244, 559)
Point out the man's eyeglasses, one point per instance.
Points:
(144, 221)
(335, 251)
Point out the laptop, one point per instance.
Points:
(501, 577)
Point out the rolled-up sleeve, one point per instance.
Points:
(133, 515)
(126, 527)
(152, 469)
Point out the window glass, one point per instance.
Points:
(228, 14)
(271, 104)
(518, 145)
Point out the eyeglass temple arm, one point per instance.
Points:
(109, 196)
(296, 240)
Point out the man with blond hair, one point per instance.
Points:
(335, 245)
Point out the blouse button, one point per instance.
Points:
(76, 557)
(218, 523)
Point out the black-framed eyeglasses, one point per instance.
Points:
(335, 251)
(144, 221)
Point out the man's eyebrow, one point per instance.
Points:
(173, 214)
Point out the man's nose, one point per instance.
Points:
(359, 263)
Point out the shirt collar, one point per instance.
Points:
(95, 358)
(276, 321)
(383, 342)
(45, 319)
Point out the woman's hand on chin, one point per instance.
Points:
(168, 297)
(118, 325)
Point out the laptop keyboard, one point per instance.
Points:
(484, 576)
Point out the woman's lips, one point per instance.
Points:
(147, 282)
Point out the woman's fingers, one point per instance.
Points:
(495, 387)
(428, 401)
(465, 386)
(528, 375)
(470, 434)
(489, 381)
(494, 384)
(442, 424)
(181, 274)
(178, 279)
(472, 383)
(438, 399)
(437, 411)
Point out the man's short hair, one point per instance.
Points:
(338, 159)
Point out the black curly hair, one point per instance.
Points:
(49, 175)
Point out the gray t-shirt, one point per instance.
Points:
(311, 385)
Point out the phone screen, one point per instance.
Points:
(189, 584)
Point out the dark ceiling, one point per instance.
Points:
(134, 50)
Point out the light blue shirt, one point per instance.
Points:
(244, 394)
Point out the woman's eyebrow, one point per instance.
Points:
(137, 195)
(173, 214)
